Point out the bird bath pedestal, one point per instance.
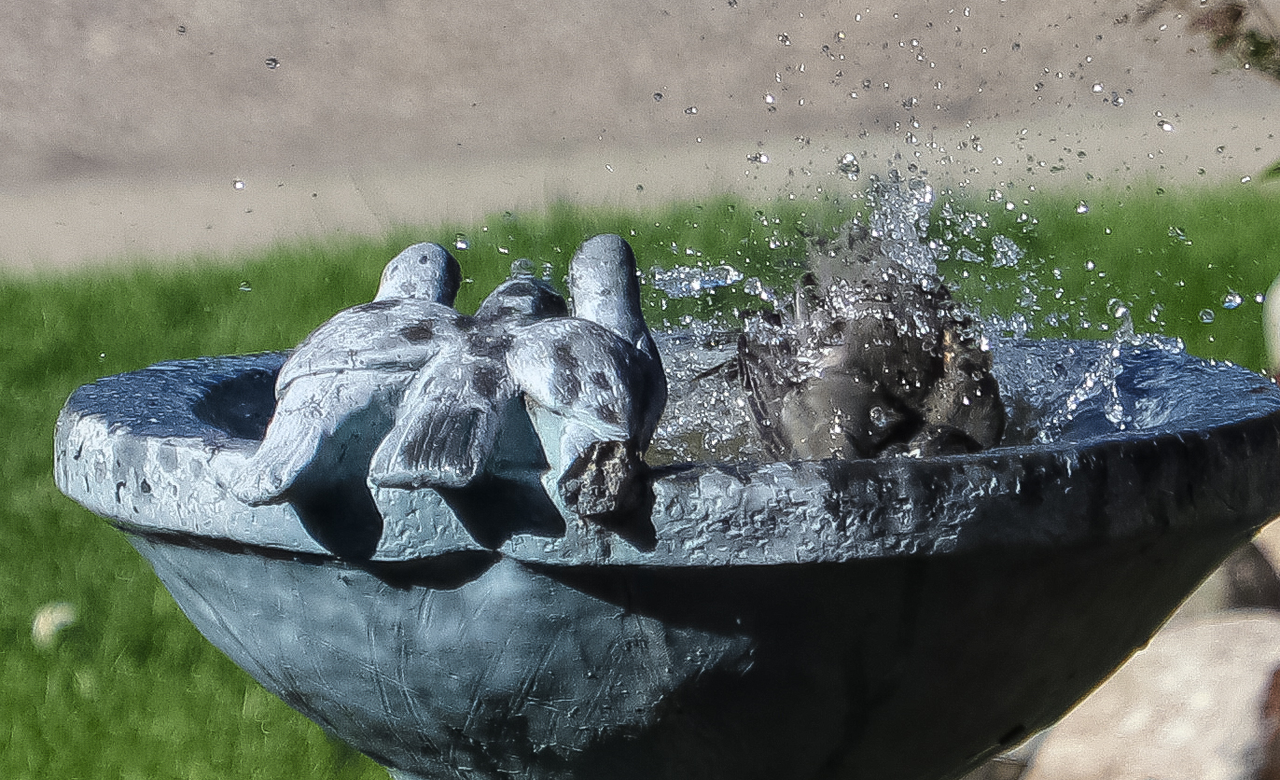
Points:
(892, 618)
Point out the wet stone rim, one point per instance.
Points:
(138, 447)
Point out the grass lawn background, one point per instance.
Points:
(131, 690)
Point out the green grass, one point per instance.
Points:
(131, 690)
(1170, 258)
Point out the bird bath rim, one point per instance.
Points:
(158, 441)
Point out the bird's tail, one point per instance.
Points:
(442, 438)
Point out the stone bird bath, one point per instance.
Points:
(891, 618)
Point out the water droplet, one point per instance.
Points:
(1006, 252)
(848, 165)
(691, 110)
(657, 97)
(758, 157)
(182, 29)
(1206, 316)
(245, 286)
(1082, 208)
(1164, 125)
(1179, 235)
(237, 184)
(460, 242)
(1232, 300)
(273, 63)
(769, 98)
(1097, 88)
(784, 39)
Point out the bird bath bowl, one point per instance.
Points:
(891, 618)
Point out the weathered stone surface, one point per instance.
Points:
(1190, 706)
(159, 438)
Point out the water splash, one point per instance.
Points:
(706, 417)
(685, 281)
(1005, 252)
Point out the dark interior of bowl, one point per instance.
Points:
(241, 405)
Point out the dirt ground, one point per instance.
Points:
(159, 129)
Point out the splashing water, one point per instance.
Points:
(1054, 391)
(690, 281)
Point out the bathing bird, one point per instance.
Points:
(453, 413)
(337, 393)
(876, 358)
(593, 386)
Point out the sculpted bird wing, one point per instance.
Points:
(397, 334)
(447, 424)
(576, 368)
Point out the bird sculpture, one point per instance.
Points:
(875, 359)
(337, 393)
(594, 386)
(452, 414)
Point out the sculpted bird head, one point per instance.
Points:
(522, 297)
(423, 271)
(605, 288)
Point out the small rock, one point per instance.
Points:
(50, 620)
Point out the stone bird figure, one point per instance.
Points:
(593, 385)
(337, 393)
(452, 414)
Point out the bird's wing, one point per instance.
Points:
(760, 368)
(388, 335)
(446, 426)
(581, 370)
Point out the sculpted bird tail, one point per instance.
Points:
(443, 437)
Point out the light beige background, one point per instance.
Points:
(123, 125)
